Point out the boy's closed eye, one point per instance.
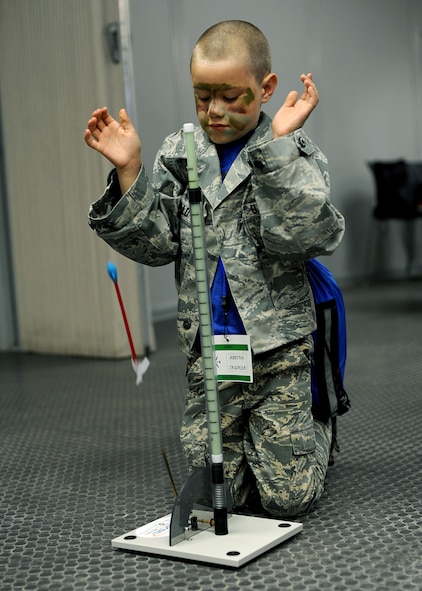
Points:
(230, 99)
(226, 99)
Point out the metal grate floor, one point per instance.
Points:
(81, 463)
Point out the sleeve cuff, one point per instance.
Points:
(268, 156)
(112, 202)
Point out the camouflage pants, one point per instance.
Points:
(268, 430)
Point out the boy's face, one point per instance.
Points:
(228, 98)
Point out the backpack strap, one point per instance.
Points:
(329, 398)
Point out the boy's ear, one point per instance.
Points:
(269, 84)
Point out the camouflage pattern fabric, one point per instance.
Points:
(267, 427)
(270, 215)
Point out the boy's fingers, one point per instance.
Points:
(124, 118)
(291, 98)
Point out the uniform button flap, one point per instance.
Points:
(303, 143)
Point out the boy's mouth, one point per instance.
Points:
(217, 126)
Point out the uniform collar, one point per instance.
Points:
(209, 174)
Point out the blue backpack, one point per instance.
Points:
(329, 398)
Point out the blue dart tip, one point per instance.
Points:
(112, 271)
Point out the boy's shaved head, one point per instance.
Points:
(230, 39)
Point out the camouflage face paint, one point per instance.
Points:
(227, 99)
(250, 97)
(238, 123)
(212, 87)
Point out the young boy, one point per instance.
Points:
(266, 206)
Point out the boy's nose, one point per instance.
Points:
(215, 109)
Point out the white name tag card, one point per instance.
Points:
(233, 358)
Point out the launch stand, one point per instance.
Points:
(201, 527)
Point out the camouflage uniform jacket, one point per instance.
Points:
(270, 215)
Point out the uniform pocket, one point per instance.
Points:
(303, 441)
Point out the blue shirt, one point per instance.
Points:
(226, 318)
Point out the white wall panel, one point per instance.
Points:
(55, 69)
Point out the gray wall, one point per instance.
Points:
(366, 57)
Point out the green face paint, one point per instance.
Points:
(239, 123)
(212, 87)
(250, 97)
(226, 111)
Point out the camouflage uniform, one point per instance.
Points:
(270, 215)
(268, 428)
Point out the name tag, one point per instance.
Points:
(233, 358)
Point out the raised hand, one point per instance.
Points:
(295, 111)
(118, 141)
